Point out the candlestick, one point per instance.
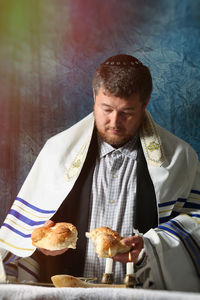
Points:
(129, 279)
(107, 278)
(108, 275)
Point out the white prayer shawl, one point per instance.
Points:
(172, 248)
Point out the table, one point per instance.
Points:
(21, 291)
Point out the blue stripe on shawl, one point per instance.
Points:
(194, 215)
(195, 192)
(164, 219)
(16, 231)
(9, 258)
(167, 218)
(192, 205)
(35, 208)
(178, 200)
(166, 203)
(167, 233)
(181, 199)
(188, 241)
(24, 219)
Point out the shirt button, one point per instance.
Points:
(115, 176)
(112, 201)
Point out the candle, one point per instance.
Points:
(109, 263)
(129, 266)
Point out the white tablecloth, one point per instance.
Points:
(14, 291)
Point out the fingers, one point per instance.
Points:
(134, 241)
(137, 244)
(52, 253)
(124, 257)
(49, 223)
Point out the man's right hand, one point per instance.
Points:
(50, 223)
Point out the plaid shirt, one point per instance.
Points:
(112, 200)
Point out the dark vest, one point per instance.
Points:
(75, 210)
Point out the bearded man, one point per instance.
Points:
(116, 168)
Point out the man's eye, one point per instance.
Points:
(127, 113)
(107, 110)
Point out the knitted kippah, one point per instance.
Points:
(122, 60)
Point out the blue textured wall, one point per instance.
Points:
(50, 49)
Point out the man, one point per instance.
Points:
(116, 168)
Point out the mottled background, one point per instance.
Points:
(49, 50)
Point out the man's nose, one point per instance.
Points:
(114, 119)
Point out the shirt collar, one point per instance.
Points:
(129, 149)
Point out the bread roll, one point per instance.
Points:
(74, 282)
(104, 239)
(68, 281)
(60, 236)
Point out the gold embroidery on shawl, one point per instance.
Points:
(77, 163)
(15, 247)
(20, 208)
(19, 226)
(153, 146)
(151, 142)
(168, 212)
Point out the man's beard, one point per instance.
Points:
(116, 141)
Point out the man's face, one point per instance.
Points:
(118, 119)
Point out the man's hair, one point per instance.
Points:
(123, 76)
